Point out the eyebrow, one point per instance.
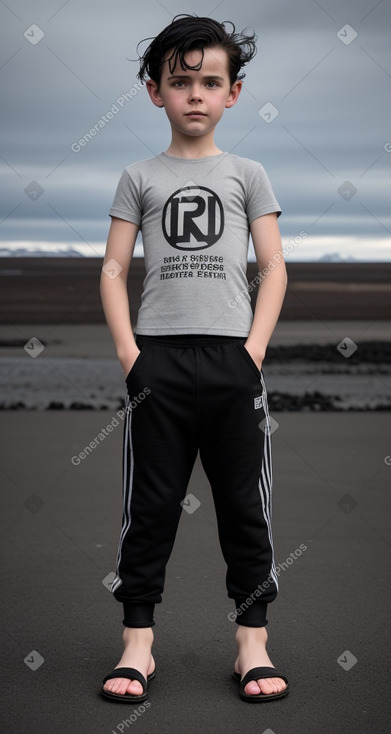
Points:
(186, 76)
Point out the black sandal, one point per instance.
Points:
(254, 674)
(132, 674)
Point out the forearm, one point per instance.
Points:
(268, 305)
(115, 303)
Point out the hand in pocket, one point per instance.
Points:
(258, 361)
(127, 364)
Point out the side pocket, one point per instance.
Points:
(143, 349)
(247, 356)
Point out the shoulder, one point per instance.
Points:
(245, 164)
(143, 166)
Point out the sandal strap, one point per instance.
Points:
(130, 673)
(263, 672)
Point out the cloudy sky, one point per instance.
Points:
(323, 69)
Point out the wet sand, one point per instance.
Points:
(304, 369)
(57, 301)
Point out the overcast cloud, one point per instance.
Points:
(325, 67)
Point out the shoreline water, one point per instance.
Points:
(305, 368)
(57, 302)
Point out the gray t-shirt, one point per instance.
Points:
(194, 216)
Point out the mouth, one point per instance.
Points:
(195, 114)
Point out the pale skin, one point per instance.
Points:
(208, 90)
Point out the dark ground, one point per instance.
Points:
(59, 533)
(55, 290)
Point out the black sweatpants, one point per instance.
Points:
(187, 393)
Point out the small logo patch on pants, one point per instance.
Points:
(258, 402)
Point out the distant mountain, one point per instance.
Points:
(335, 257)
(27, 252)
(332, 257)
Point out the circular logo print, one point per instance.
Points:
(193, 218)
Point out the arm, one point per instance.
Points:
(120, 245)
(266, 237)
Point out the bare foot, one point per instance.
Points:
(137, 654)
(252, 654)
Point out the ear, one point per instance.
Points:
(234, 94)
(154, 93)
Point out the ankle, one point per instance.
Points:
(251, 634)
(136, 635)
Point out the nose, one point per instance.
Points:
(195, 92)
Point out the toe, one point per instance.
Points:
(252, 688)
(280, 684)
(121, 686)
(264, 685)
(271, 685)
(134, 688)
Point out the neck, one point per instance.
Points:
(192, 147)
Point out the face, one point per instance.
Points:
(207, 92)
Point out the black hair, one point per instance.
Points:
(190, 33)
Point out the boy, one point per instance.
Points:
(196, 362)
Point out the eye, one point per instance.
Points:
(215, 83)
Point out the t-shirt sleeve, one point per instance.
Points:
(261, 199)
(126, 203)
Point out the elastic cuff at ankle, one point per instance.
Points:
(251, 615)
(138, 614)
